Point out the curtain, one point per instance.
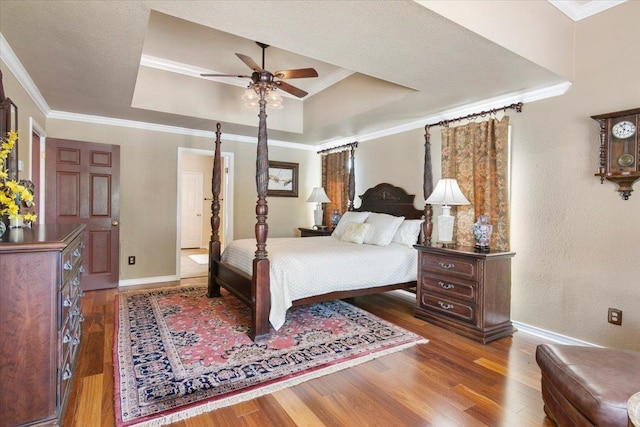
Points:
(476, 155)
(335, 180)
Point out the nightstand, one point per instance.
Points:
(312, 232)
(465, 291)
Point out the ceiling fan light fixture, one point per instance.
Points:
(250, 95)
(273, 97)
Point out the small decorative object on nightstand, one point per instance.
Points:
(482, 233)
(465, 291)
(335, 218)
(315, 232)
(619, 149)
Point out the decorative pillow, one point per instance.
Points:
(383, 228)
(408, 232)
(355, 232)
(357, 217)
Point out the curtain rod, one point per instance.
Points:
(339, 148)
(445, 123)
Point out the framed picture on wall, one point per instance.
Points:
(283, 179)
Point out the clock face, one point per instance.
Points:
(623, 129)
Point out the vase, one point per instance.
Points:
(3, 228)
(482, 232)
(16, 221)
(335, 218)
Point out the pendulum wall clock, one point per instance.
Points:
(619, 149)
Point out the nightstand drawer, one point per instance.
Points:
(447, 307)
(465, 268)
(448, 287)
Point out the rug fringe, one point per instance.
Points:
(272, 388)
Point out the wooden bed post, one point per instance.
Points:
(261, 295)
(352, 176)
(213, 289)
(427, 185)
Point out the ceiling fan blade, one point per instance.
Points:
(250, 62)
(224, 75)
(300, 73)
(291, 89)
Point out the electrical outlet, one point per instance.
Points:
(132, 260)
(615, 316)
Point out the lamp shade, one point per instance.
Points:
(318, 195)
(447, 192)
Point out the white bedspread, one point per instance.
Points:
(304, 267)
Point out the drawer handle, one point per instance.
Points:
(81, 294)
(445, 306)
(82, 245)
(67, 265)
(81, 318)
(67, 337)
(446, 285)
(446, 266)
(76, 253)
(75, 281)
(76, 340)
(81, 269)
(67, 373)
(67, 302)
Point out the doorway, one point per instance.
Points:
(195, 168)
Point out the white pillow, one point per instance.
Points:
(408, 232)
(383, 228)
(355, 232)
(357, 217)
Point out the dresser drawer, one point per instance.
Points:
(465, 268)
(449, 287)
(448, 307)
(71, 259)
(69, 295)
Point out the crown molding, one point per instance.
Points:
(15, 66)
(85, 118)
(577, 11)
(497, 102)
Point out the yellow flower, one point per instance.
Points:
(13, 195)
(26, 196)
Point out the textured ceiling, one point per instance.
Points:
(381, 64)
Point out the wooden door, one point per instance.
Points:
(83, 186)
(191, 210)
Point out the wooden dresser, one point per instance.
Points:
(465, 291)
(40, 322)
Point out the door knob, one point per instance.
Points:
(199, 215)
(115, 223)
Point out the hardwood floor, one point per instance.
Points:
(451, 381)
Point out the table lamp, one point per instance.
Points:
(447, 193)
(318, 196)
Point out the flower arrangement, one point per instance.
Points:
(15, 198)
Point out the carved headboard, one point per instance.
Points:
(389, 199)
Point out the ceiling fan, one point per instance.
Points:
(262, 77)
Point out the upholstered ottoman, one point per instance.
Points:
(587, 386)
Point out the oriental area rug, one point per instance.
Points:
(178, 354)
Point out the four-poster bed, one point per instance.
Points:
(253, 285)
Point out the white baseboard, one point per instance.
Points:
(552, 336)
(148, 280)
